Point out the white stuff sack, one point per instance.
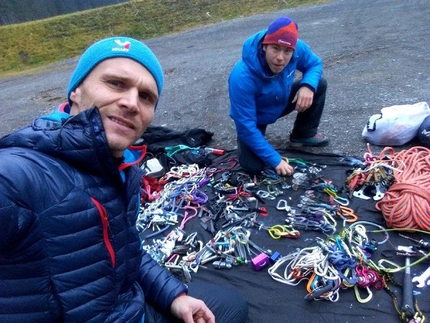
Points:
(395, 125)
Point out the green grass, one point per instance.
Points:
(31, 45)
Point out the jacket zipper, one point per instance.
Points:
(105, 225)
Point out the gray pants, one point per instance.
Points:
(225, 303)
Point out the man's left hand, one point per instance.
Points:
(191, 310)
(303, 99)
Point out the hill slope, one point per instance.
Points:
(33, 44)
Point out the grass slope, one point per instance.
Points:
(39, 43)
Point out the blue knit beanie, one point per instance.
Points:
(116, 47)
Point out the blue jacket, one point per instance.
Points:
(69, 249)
(257, 97)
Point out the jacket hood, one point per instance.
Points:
(79, 140)
(250, 53)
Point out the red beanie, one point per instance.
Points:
(283, 31)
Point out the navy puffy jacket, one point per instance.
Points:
(69, 250)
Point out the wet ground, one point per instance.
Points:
(375, 53)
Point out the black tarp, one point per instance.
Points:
(272, 301)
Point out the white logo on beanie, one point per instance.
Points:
(123, 46)
(284, 42)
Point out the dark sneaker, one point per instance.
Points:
(315, 141)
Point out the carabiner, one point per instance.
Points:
(341, 200)
(358, 296)
(265, 195)
(283, 205)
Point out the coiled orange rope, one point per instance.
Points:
(406, 204)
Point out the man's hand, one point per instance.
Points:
(284, 169)
(191, 310)
(303, 99)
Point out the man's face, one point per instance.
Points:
(277, 57)
(125, 93)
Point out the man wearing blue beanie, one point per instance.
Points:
(69, 198)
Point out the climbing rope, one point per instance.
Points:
(406, 204)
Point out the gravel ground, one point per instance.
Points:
(375, 54)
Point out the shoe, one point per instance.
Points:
(315, 141)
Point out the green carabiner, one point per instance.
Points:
(358, 296)
(174, 149)
(301, 163)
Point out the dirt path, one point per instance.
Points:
(375, 54)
